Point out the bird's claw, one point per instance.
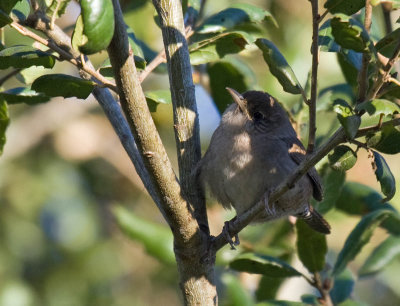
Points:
(231, 242)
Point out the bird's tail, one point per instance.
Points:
(315, 220)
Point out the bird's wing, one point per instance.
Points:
(297, 152)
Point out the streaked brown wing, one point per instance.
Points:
(297, 152)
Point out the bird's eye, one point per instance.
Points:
(258, 116)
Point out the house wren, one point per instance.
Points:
(251, 152)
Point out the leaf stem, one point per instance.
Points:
(312, 106)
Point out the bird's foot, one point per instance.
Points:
(231, 242)
(269, 207)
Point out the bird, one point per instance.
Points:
(251, 152)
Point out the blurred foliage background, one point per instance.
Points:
(64, 176)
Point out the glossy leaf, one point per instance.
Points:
(342, 158)
(328, 95)
(350, 34)
(54, 85)
(278, 66)
(4, 19)
(28, 75)
(234, 16)
(266, 265)
(157, 239)
(25, 56)
(384, 177)
(359, 237)
(387, 140)
(156, 97)
(348, 119)
(381, 256)
(268, 287)
(348, 7)
(386, 46)
(379, 106)
(311, 247)
(21, 10)
(216, 47)
(94, 28)
(232, 73)
(343, 287)
(236, 295)
(23, 95)
(7, 5)
(4, 121)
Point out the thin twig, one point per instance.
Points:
(321, 17)
(386, 9)
(64, 54)
(314, 78)
(362, 78)
(320, 287)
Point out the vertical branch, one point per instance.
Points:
(386, 9)
(314, 77)
(363, 74)
(186, 122)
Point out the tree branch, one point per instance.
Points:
(186, 122)
(362, 79)
(312, 106)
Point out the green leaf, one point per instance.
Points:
(228, 73)
(350, 64)
(386, 46)
(268, 287)
(25, 56)
(261, 264)
(384, 176)
(7, 5)
(328, 95)
(348, 119)
(309, 299)
(379, 106)
(348, 7)
(236, 15)
(4, 121)
(278, 66)
(156, 97)
(381, 256)
(95, 26)
(333, 182)
(359, 237)
(59, 5)
(343, 287)
(235, 294)
(54, 85)
(28, 75)
(23, 95)
(311, 247)
(216, 47)
(157, 239)
(391, 91)
(280, 303)
(21, 10)
(387, 140)
(350, 34)
(342, 158)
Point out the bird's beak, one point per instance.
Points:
(238, 98)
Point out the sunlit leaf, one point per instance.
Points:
(384, 177)
(328, 95)
(261, 264)
(54, 85)
(342, 158)
(21, 10)
(228, 73)
(57, 7)
(156, 97)
(25, 56)
(387, 140)
(343, 287)
(157, 239)
(311, 247)
(216, 47)
(348, 119)
(348, 7)
(234, 16)
(94, 28)
(359, 237)
(4, 121)
(279, 67)
(379, 106)
(236, 294)
(381, 256)
(23, 95)
(350, 34)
